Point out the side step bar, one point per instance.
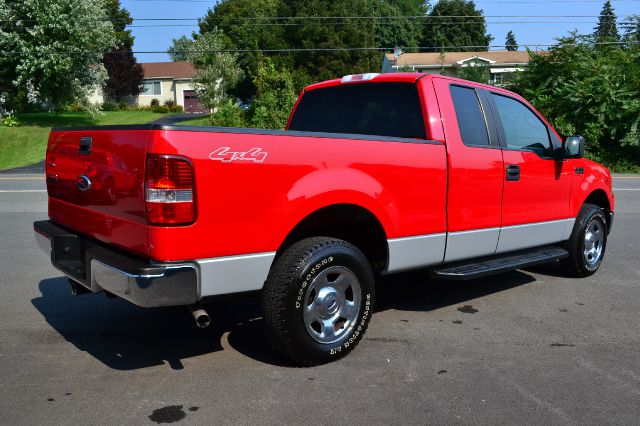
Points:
(481, 267)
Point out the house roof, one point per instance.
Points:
(450, 58)
(176, 70)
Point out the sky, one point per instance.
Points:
(546, 14)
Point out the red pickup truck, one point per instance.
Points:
(374, 174)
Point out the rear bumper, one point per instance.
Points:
(97, 267)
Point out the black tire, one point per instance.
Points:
(578, 264)
(301, 269)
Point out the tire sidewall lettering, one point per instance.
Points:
(309, 278)
(306, 276)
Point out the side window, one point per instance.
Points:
(523, 129)
(473, 128)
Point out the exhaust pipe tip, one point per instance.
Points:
(77, 289)
(202, 318)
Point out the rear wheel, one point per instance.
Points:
(587, 243)
(318, 300)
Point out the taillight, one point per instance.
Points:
(169, 190)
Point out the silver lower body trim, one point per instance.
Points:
(529, 235)
(234, 274)
(473, 243)
(415, 252)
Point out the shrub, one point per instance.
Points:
(229, 114)
(109, 106)
(75, 107)
(155, 102)
(169, 103)
(176, 108)
(160, 109)
(10, 120)
(123, 107)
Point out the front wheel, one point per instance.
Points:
(318, 300)
(587, 243)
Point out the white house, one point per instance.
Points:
(165, 81)
(499, 62)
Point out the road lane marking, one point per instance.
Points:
(22, 178)
(23, 190)
(626, 189)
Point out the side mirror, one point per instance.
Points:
(574, 146)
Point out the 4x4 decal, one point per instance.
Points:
(225, 155)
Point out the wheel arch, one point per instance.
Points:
(600, 198)
(349, 222)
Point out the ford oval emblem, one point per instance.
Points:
(83, 183)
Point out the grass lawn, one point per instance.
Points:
(26, 144)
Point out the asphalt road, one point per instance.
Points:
(527, 347)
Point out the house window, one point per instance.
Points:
(497, 78)
(151, 88)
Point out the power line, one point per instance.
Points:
(341, 23)
(324, 18)
(320, 49)
(278, 24)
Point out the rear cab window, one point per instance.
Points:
(377, 109)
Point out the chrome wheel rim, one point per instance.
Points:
(593, 242)
(332, 304)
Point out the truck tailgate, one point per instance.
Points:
(95, 180)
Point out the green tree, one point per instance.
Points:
(326, 33)
(607, 29)
(179, 48)
(475, 70)
(119, 18)
(275, 96)
(56, 50)
(469, 28)
(511, 44)
(125, 74)
(631, 27)
(585, 90)
(249, 25)
(216, 71)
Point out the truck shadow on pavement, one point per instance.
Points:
(126, 337)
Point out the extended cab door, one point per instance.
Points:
(476, 174)
(537, 187)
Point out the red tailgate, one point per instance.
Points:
(95, 180)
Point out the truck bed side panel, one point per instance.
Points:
(249, 202)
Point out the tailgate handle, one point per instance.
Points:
(85, 145)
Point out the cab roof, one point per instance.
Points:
(396, 77)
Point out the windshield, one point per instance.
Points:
(382, 109)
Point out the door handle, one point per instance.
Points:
(513, 172)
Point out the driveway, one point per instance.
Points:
(526, 347)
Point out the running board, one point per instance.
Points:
(481, 267)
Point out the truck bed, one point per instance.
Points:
(244, 205)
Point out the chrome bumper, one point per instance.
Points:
(99, 268)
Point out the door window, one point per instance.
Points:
(523, 129)
(473, 128)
